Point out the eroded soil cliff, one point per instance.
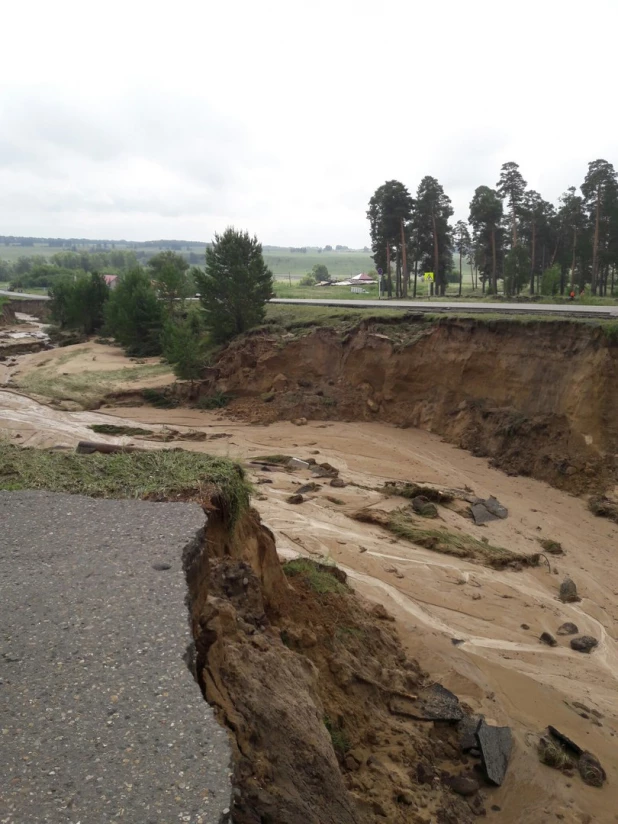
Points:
(537, 398)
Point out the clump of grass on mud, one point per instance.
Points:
(318, 577)
(113, 429)
(553, 755)
(338, 737)
(156, 475)
(401, 523)
(85, 388)
(272, 459)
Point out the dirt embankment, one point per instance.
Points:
(309, 679)
(537, 398)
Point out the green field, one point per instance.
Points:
(339, 264)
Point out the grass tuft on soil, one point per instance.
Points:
(553, 755)
(158, 475)
(272, 459)
(317, 576)
(113, 429)
(403, 525)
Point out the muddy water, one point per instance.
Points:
(498, 667)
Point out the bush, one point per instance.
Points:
(550, 280)
(216, 401)
(134, 315)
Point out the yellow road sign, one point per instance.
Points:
(428, 276)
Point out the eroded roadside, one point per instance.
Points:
(500, 669)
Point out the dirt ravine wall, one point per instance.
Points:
(538, 398)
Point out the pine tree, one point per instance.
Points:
(236, 285)
(511, 187)
(389, 210)
(461, 237)
(599, 191)
(134, 315)
(432, 210)
(485, 217)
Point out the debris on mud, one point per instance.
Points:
(604, 507)
(551, 547)
(434, 703)
(562, 753)
(495, 745)
(407, 489)
(548, 638)
(423, 506)
(295, 499)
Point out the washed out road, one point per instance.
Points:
(100, 718)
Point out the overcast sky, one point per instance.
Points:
(145, 120)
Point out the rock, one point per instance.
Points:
(362, 549)
(295, 499)
(373, 405)
(379, 611)
(567, 629)
(300, 422)
(462, 785)
(160, 567)
(423, 506)
(324, 470)
(264, 481)
(434, 703)
(339, 483)
(467, 729)
(425, 773)
(571, 745)
(487, 509)
(591, 770)
(280, 383)
(297, 463)
(525, 626)
(568, 592)
(495, 744)
(548, 639)
(583, 643)
(310, 487)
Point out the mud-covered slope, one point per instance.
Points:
(538, 398)
(304, 675)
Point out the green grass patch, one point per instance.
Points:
(159, 399)
(158, 474)
(338, 737)
(317, 576)
(113, 429)
(84, 387)
(216, 401)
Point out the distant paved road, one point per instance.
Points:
(573, 309)
(100, 719)
(22, 295)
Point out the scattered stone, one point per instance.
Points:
(583, 643)
(362, 549)
(339, 483)
(457, 641)
(568, 592)
(160, 566)
(310, 487)
(571, 745)
(434, 703)
(192, 435)
(525, 626)
(425, 773)
(297, 463)
(423, 506)
(300, 422)
(567, 629)
(548, 638)
(495, 744)
(495, 808)
(462, 785)
(324, 470)
(372, 405)
(467, 729)
(265, 480)
(581, 706)
(591, 770)
(295, 499)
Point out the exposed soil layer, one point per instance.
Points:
(536, 398)
(304, 674)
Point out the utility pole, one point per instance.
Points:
(404, 259)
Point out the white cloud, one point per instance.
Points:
(283, 117)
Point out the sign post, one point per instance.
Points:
(380, 273)
(429, 280)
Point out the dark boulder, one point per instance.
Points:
(567, 628)
(548, 639)
(495, 745)
(568, 592)
(583, 643)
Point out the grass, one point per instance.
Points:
(317, 576)
(553, 755)
(551, 546)
(338, 737)
(339, 264)
(86, 388)
(216, 401)
(293, 317)
(157, 475)
(113, 429)
(403, 525)
(272, 459)
(159, 399)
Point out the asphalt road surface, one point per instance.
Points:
(100, 718)
(573, 309)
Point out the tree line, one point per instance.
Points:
(513, 235)
(148, 311)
